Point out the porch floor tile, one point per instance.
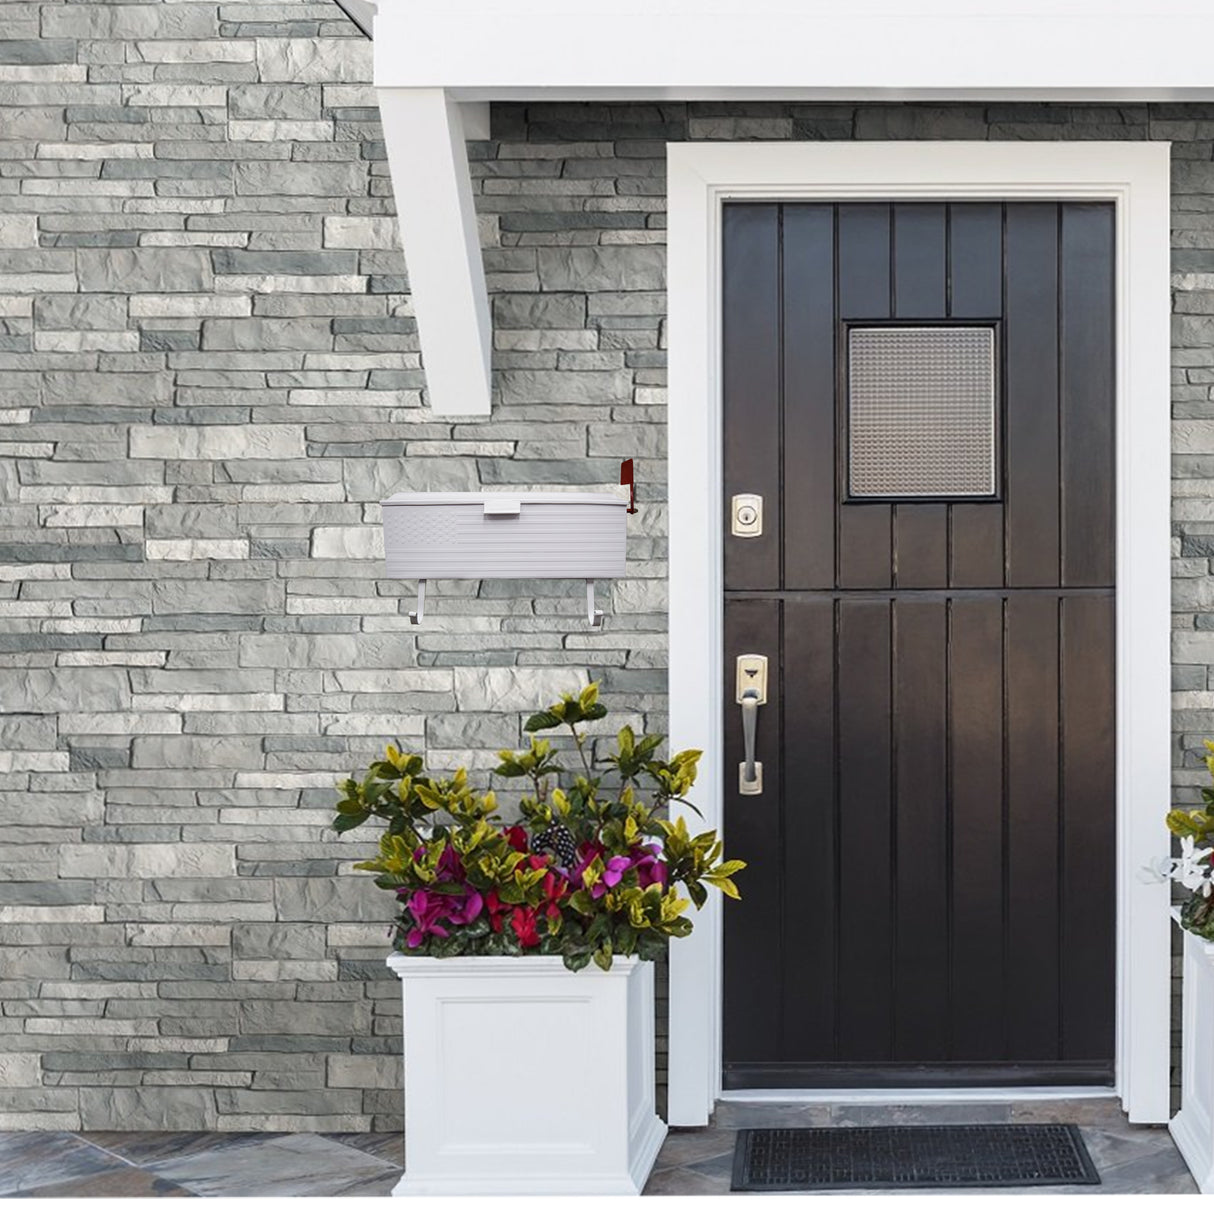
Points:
(1130, 1159)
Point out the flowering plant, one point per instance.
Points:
(588, 871)
(1193, 868)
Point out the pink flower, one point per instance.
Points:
(449, 866)
(429, 910)
(650, 870)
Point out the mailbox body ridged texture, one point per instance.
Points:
(552, 535)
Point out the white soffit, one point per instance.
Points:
(814, 49)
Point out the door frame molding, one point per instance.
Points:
(1136, 178)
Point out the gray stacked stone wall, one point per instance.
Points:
(209, 376)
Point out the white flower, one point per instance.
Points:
(1193, 869)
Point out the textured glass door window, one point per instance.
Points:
(921, 412)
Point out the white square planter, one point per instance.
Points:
(524, 1078)
(1193, 1126)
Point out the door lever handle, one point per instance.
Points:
(751, 690)
(750, 771)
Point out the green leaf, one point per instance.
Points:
(348, 821)
(541, 720)
(724, 884)
(602, 955)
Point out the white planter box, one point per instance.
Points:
(504, 535)
(1193, 1126)
(524, 1078)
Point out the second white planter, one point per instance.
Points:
(1193, 1126)
(524, 1078)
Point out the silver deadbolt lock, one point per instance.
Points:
(751, 691)
(747, 514)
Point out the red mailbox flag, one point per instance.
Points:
(626, 479)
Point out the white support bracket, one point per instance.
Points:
(424, 134)
(595, 617)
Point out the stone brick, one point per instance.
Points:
(40, 690)
(136, 270)
(147, 1108)
(260, 101)
(355, 898)
(335, 1019)
(546, 311)
(513, 689)
(216, 442)
(360, 543)
(21, 1071)
(198, 752)
(364, 1071)
(318, 178)
(147, 860)
(361, 232)
(260, 333)
(602, 269)
(117, 21)
(314, 60)
(278, 940)
(556, 387)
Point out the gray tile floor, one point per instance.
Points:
(1131, 1159)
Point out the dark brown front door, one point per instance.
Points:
(922, 396)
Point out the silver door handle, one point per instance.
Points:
(750, 772)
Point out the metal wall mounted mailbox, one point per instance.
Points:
(505, 535)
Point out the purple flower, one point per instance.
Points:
(430, 910)
(650, 869)
(473, 904)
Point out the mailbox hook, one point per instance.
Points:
(595, 617)
(415, 617)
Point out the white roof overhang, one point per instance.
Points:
(433, 55)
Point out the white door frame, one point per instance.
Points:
(1135, 176)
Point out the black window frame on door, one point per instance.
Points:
(849, 325)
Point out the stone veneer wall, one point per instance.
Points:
(208, 379)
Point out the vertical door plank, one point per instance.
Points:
(755, 947)
(751, 379)
(1031, 407)
(976, 1003)
(1088, 906)
(975, 255)
(865, 529)
(810, 493)
(921, 850)
(1032, 827)
(920, 293)
(975, 246)
(920, 261)
(976, 549)
(1086, 340)
(808, 699)
(865, 546)
(921, 545)
(865, 832)
(864, 261)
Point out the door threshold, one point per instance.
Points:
(911, 1095)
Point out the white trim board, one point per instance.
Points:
(900, 1096)
(1135, 176)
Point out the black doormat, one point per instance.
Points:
(910, 1157)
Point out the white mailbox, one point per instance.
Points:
(505, 535)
